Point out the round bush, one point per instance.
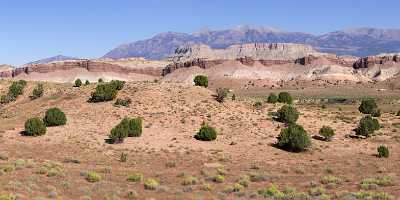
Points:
(78, 83)
(222, 93)
(135, 127)
(284, 97)
(104, 92)
(87, 82)
(34, 127)
(100, 80)
(206, 133)
(272, 98)
(383, 151)
(54, 117)
(327, 132)
(294, 138)
(119, 132)
(287, 114)
(367, 126)
(201, 80)
(37, 92)
(117, 84)
(368, 106)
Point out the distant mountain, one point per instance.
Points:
(357, 42)
(53, 59)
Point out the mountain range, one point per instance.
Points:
(356, 41)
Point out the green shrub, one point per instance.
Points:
(272, 98)
(218, 178)
(398, 113)
(135, 127)
(104, 92)
(367, 126)
(78, 83)
(383, 151)
(331, 180)
(222, 93)
(119, 132)
(100, 80)
(206, 133)
(327, 132)
(34, 127)
(379, 181)
(54, 117)
(37, 91)
(123, 102)
(287, 114)
(16, 88)
(201, 80)
(117, 84)
(294, 138)
(284, 97)
(87, 82)
(93, 177)
(369, 106)
(258, 105)
(151, 184)
(136, 177)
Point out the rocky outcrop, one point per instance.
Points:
(382, 59)
(255, 51)
(119, 67)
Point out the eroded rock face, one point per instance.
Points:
(255, 51)
(119, 67)
(383, 59)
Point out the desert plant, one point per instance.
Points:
(398, 113)
(78, 83)
(285, 97)
(37, 91)
(135, 127)
(151, 184)
(15, 89)
(104, 92)
(327, 132)
(272, 98)
(87, 82)
(136, 177)
(119, 132)
(93, 177)
(369, 106)
(123, 102)
(54, 117)
(383, 151)
(294, 138)
(287, 114)
(123, 157)
(206, 133)
(100, 80)
(257, 105)
(201, 80)
(222, 93)
(117, 84)
(367, 126)
(34, 127)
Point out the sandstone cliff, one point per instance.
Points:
(68, 70)
(256, 51)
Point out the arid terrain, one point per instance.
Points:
(53, 166)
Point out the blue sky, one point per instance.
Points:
(35, 29)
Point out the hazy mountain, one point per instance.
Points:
(357, 42)
(52, 59)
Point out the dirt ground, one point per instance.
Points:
(54, 166)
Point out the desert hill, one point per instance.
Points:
(166, 151)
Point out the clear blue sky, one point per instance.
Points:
(35, 29)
